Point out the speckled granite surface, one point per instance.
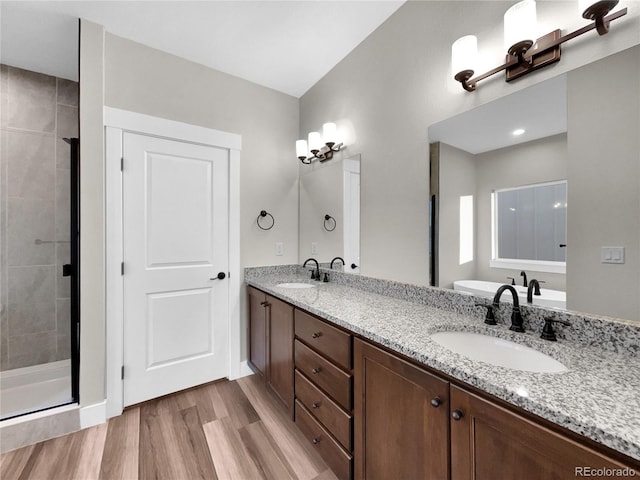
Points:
(599, 397)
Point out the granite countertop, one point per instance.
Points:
(598, 397)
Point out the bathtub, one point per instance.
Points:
(547, 297)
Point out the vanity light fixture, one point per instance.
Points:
(317, 146)
(525, 52)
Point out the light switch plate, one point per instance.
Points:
(612, 255)
(314, 248)
(279, 249)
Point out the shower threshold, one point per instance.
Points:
(29, 389)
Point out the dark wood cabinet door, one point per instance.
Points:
(490, 442)
(398, 432)
(257, 330)
(280, 350)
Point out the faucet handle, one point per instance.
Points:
(547, 331)
(489, 319)
(513, 280)
(516, 320)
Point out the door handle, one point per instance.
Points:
(220, 276)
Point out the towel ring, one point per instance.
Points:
(264, 213)
(329, 218)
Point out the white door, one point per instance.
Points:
(176, 310)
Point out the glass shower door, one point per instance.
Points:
(38, 240)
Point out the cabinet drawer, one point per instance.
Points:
(332, 417)
(338, 460)
(324, 374)
(329, 341)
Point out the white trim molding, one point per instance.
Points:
(116, 122)
(92, 415)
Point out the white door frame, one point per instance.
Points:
(116, 122)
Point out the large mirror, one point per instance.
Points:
(330, 212)
(566, 152)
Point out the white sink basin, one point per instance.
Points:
(497, 351)
(295, 285)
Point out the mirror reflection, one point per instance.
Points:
(330, 213)
(549, 133)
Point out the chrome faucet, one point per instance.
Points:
(516, 317)
(314, 275)
(534, 288)
(337, 258)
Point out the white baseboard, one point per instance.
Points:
(243, 371)
(92, 415)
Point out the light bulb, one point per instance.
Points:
(301, 149)
(464, 54)
(329, 133)
(315, 142)
(520, 23)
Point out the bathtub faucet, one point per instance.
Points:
(534, 287)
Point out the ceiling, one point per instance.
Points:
(284, 45)
(540, 110)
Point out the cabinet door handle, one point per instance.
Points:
(316, 405)
(316, 335)
(457, 414)
(436, 402)
(265, 304)
(315, 370)
(316, 441)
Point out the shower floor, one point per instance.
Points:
(29, 389)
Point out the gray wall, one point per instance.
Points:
(37, 112)
(385, 94)
(92, 206)
(457, 178)
(604, 168)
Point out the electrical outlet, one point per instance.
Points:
(279, 249)
(314, 248)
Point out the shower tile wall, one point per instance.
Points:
(37, 111)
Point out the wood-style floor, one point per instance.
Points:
(223, 430)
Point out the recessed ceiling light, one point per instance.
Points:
(518, 131)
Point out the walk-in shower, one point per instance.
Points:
(38, 241)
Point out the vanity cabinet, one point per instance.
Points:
(271, 344)
(489, 442)
(410, 423)
(324, 390)
(401, 417)
(373, 415)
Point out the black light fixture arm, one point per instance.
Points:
(527, 57)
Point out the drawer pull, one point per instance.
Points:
(457, 414)
(316, 405)
(436, 402)
(316, 370)
(316, 335)
(316, 441)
